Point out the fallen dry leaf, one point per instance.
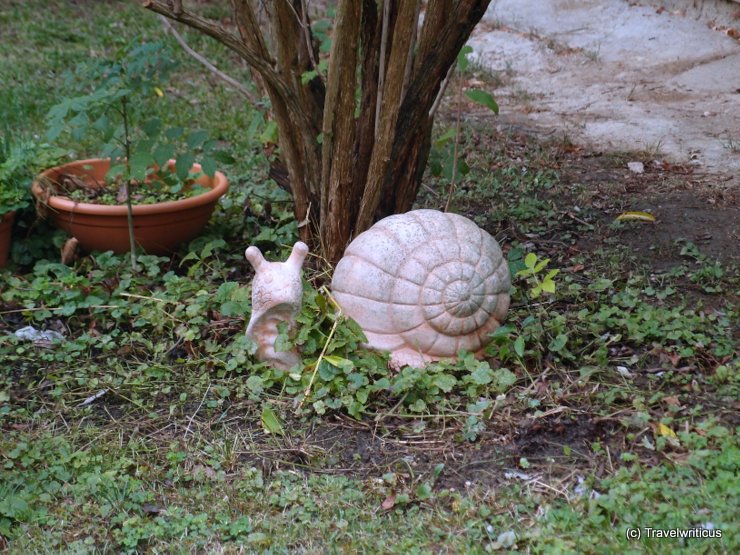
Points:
(151, 509)
(389, 502)
(672, 400)
(636, 215)
(69, 251)
(665, 431)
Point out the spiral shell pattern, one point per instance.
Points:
(427, 282)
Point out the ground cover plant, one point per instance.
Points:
(141, 422)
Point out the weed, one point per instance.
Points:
(593, 55)
(732, 144)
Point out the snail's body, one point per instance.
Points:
(424, 285)
(277, 292)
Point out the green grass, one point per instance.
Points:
(549, 447)
(126, 491)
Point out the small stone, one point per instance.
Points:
(39, 337)
(506, 539)
(636, 167)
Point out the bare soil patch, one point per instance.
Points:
(657, 75)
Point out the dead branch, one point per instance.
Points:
(258, 60)
(442, 89)
(302, 19)
(410, 58)
(236, 85)
(381, 73)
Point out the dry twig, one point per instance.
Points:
(236, 85)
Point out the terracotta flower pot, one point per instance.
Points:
(6, 224)
(158, 228)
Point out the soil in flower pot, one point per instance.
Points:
(69, 191)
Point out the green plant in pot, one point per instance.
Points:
(12, 195)
(18, 161)
(146, 189)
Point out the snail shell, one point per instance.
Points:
(424, 285)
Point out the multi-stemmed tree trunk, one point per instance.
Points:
(355, 142)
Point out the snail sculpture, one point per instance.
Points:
(423, 285)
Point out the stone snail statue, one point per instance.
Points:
(423, 285)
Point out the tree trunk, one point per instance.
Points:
(355, 142)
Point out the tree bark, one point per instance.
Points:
(374, 111)
(370, 43)
(339, 133)
(446, 29)
(392, 91)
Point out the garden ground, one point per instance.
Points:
(608, 405)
